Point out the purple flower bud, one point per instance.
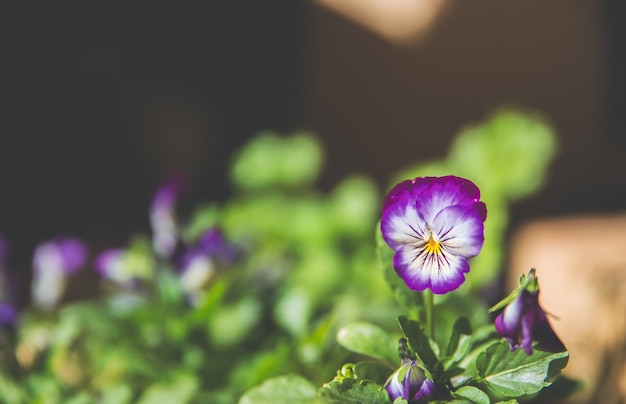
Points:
(163, 217)
(52, 262)
(409, 382)
(524, 321)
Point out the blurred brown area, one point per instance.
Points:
(103, 102)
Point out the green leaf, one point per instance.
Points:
(368, 339)
(514, 374)
(353, 391)
(460, 341)
(374, 371)
(418, 341)
(472, 394)
(288, 389)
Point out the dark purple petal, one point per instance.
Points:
(545, 335)
(409, 382)
(399, 192)
(427, 389)
(214, 243)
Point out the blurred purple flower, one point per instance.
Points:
(434, 225)
(198, 265)
(524, 321)
(213, 242)
(110, 264)
(163, 217)
(409, 382)
(52, 262)
(8, 314)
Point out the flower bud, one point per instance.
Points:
(409, 382)
(524, 321)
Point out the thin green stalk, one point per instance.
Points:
(430, 307)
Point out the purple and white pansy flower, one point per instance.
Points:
(434, 225)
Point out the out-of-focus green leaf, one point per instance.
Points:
(116, 394)
(180, 390)
(288, 389)
(368, 339)
(354, 205)
(269, 160)
(231, 324)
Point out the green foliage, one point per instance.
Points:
(262, 329)
(472, 395)
(353, 391)
(514, 374)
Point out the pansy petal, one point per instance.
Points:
(449, 274)
(508, 322)
(434, 194)
(398, 193)
(401, 224)
(460, 229)
(420, 270)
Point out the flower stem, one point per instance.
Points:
(430, 307)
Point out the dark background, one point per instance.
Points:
(102, 103)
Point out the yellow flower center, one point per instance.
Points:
(432, 246)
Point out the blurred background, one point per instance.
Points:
(103, 102)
